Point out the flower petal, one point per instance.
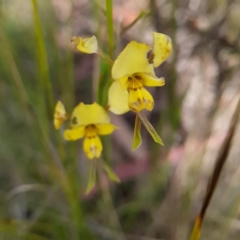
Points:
(117, 98)
(105, 129)
(139, 99)
(74, 134)
(151, 80)
(87, 45)
(92, 146)
(162, 48)
(60, 115)
(124, 83)
(85, 114)
(131, 60)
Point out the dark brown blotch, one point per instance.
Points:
(74, 121)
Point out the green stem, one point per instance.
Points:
(139, 17)
(96, 66)
(42, 58)
(110, 27)
(174, 103)
(109, 205)
(105, 57)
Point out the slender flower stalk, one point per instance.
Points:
(110, 26)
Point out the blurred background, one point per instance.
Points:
(43, 178)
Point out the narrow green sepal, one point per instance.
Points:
(110, 173)
(92, 176)
(137, 138)
(150, 128)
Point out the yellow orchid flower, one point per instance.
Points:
(89, 121)
(60, 115)
(132, 70)
(87, 45)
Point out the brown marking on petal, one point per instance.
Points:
(134, 88)
(151, 57)
(138, 77)
(134, 83)
(133, 109)
(74, 121)
(129, 79)
(107, 108)
(90, 131)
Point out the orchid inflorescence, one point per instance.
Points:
(132, 71)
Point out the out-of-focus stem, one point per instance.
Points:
(108, 202)
(110, 27)
(42, 59)
(104, 56)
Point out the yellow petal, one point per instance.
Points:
(105, 129)
(74, 134)
(117, 98)
(85, 114)
(60, 115)
(131, 60)
(92, 147)
(124, 83)
(139, 99)
(162, 48)
(151, 80)
(87, 45)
